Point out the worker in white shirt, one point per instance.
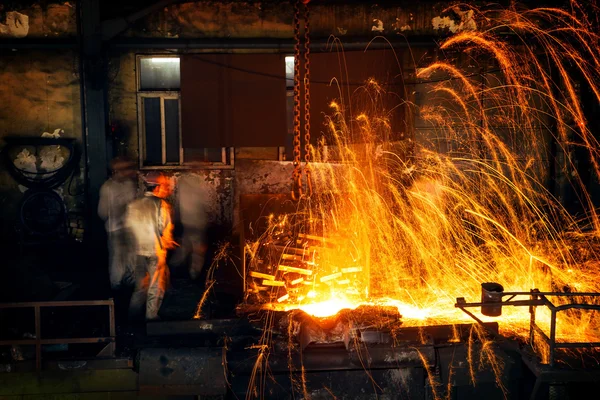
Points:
(149, 219)
(115, 195)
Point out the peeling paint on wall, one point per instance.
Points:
(17, 25)
(26, 161)
(51, 156)
(466, 23)
(378, 27)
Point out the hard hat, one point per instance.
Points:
(154, 178)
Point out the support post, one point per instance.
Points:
(93, 77)
(38, 339)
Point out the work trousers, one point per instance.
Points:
(193, 245)
(121, 258)
(150, 285)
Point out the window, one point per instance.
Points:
(159, 118)
(289, 93)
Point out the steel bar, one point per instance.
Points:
(290, 249)
(41, 342)
(112, 328)
(495, 334)
(552, 342)
(59, 304)
(540, 302)
(532, 325)
(39, 43)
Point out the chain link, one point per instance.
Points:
(307, 146)
(296, 174)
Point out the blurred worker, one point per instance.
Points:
(191, 202)
(149, 218)
(115, 194)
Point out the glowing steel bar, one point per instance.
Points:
(283, 298)
(343, 282)
(255, 274)
(313, 237)
(291, 257)
(302, 271)
(273, 283)
(350, 270)
(330, 277)
(297, 281)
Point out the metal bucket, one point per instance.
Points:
(491, 292)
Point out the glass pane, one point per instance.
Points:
(203, 155)
(172, 130)
(289, 139)
(159, 73)
(289, 72)
(153, 154)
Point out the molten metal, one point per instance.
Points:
(413, 226)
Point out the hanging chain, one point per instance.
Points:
(307, 146)
(296, 174)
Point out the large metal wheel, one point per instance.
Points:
(42, 212)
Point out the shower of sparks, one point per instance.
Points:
(416, 224)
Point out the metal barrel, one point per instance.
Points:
(491, 292)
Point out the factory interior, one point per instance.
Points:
(299, 199)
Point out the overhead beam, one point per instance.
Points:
(266, 44)
(39, 43)
(111, 28)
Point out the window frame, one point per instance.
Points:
(227, 153)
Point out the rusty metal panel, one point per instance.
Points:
(182, 371)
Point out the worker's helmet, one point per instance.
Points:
(153, 179)
(158, 183)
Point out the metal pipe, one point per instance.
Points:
(574, 294)
(540, 302)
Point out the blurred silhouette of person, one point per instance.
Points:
(149, 218)
(115, 195)
(191, 203)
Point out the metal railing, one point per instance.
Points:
(39, 342)
(537, 298)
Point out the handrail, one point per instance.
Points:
(538, 299)
(38, 341)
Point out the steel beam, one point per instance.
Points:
(264, 43)
(39, 43)
(94, 112)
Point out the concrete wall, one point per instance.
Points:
(40, 93)
(43, 20)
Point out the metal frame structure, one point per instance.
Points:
(538, 298)
(38, 341)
